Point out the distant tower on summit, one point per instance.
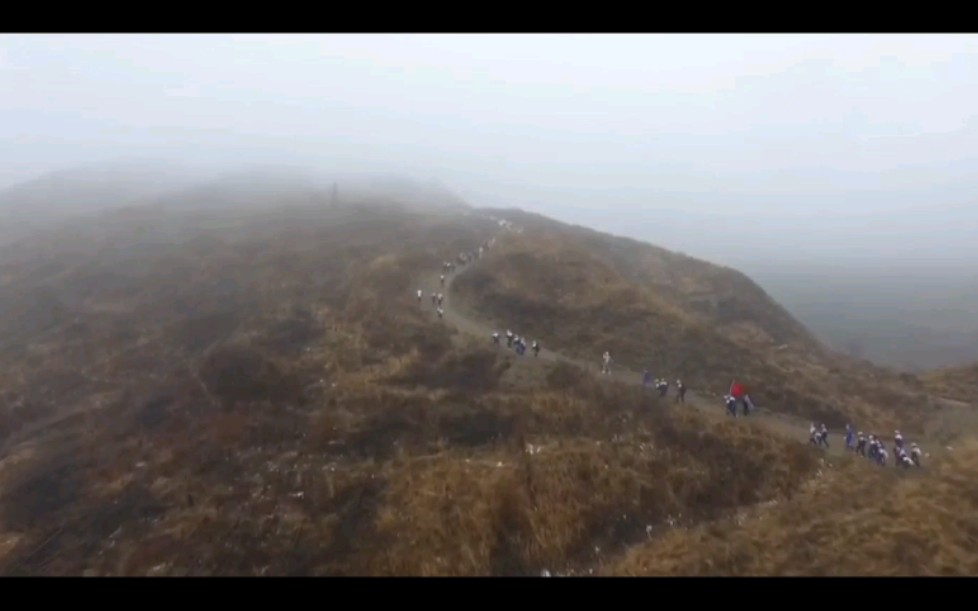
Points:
(334, 197)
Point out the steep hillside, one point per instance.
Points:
(723, 298)
(849, 521)
(958, 383)
(678, 317)
(257, 391)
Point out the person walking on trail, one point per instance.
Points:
(823, 436)
(606, 363)
(749, 404)
(680, 392)
(495, 338)
(900, 458)
(441, 313)
(536, 348)
(442, 278)
(915, 454)
(420, 295)
(509, 338)
(441, 298)
(663, 387)
(434, 300)
(860, 444)
(731, 403)
(850, 438)
(897, 439)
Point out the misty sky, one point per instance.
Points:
(744, 149)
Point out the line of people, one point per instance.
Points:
(450, 267)
(437, 300)
(661, 386)
(873, 448)
(516, 343)
(870, 446)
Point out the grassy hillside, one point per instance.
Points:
(258, 393)
(851, 520)
(958, 383)
(679, 317)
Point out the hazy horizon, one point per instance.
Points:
(827, 146)
(789, 157)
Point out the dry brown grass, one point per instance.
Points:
(679, 318)
(266, 398)
(854, 520)
(958, 383)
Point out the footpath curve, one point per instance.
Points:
(782, 424)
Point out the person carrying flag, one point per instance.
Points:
(737, 391)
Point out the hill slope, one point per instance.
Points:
(678, 317)
(259, 393)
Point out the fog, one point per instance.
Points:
(803, 158)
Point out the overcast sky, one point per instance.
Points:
(738, 148)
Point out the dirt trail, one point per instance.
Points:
(467, 322)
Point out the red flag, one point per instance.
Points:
(737, 390)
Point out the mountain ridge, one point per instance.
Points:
(260, 392)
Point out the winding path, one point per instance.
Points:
(783, 424)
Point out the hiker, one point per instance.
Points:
(509, 338)
(745, 403)
(824, 435)
(680, 392)
(434, 300)
(882, 455)
(420, 294)
(606, 363)
(861, 444)
(440, 299)
(897, 439)
(850, 438)
(536, 348)
(495, 338)
(441, 313)
(442, 278)
(731, 405)
(873, 447)
(915, 454)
